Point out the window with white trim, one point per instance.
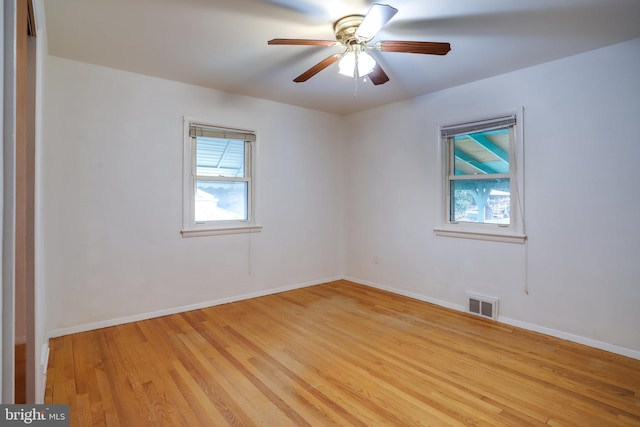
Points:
(482, 179)
(218, 180)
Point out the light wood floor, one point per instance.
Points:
(336, 354)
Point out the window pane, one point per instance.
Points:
(221, 200)
(220, 157)
(481, 200)
(481, 152)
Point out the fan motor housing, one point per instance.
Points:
(345, 29)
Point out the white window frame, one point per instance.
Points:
(514, 232)
(191, 228)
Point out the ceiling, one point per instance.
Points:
(222, 44)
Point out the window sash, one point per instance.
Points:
(448, 133)
(479, 177)
(218, 226)
(203, 132)
(221, 178)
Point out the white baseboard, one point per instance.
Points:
(419, 297)
(635, 354)
(180, 309)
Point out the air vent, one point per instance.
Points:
(482, 306)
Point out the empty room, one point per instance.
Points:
(278, 212)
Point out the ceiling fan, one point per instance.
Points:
(354, 32)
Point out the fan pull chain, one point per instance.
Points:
(355, 78)
(355, 91)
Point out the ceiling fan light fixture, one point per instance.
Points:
(354, 32)
(366, 63)
(347, 64)
(352, 60)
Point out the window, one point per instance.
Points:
(218, 180)
(482, 179)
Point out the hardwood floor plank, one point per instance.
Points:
(104, 400)
(226, 399)
(116, 367)
(206, 404)
(360, 350)
(377, 388)
(336, 354)
(83, 409)
(244, 398)
(63, 388)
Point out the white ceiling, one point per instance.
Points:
(222, 44)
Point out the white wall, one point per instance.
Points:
(111, 199)
(112, 192)
(582, 200)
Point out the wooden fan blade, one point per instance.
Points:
(303, 42)
(317, 68)
(429, 48)
(375, 20)
(378, 76)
